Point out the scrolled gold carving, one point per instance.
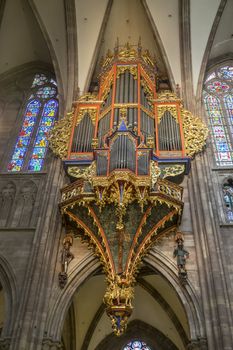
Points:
(60, 135)
(195, 133)
(127, 53)
(169, 189)
(87, 97)
(148, 59)
(173, 170)
(107, 88)
(132, 69)
(167, 96)
(154, 172)
(86, 174)
(148, 91)
(107, 60)
(92, 112)
(167, 108)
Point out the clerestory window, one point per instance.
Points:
(218, 100)
(227, 189)
(40, 113)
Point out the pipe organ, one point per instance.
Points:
(125, 151)
(128, 123)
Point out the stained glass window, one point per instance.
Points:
(39, 117)
(218, 100)
(136, 345)
(228, 199)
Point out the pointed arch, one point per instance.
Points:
(9, 285)
(218, 101)
(137, 330)
(76, 277)
(207, 53)
(159, 262)
(39, 117)
(52, 51)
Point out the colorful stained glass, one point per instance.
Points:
(228, 101)
(46, 113)
(19, 153)
(15, 165)
(25, 134)
(136, 345)
(50, 109)
(35, 164)
(22, 141)
(219, 131)
(52, 81)
(228, 199)
(44, 131)
(46, 92)
(33, 108)
(211, 76)
(38, 152)
(226, 73)
(29, 121)
(41, 143)
(47, 121)
(218, 86)
(39, 79)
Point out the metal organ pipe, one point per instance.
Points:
(83, 135)
(121, 87)
(169, 133)
(131, 83)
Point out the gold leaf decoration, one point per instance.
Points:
(195, 133)
(92, 113)
(163, 109)
(132, 69)
(88, 97)
(173, 170)
(167, 96)
(60, 135)
(85, 174)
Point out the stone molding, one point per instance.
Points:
(198, 344)
(5, 343)
(50, 344)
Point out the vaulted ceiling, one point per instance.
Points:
(72, 35)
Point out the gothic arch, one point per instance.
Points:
(8, 282)
(207, 53)
(18, 80)
(25, 203)
(53, 55)
(63, 298)
(7, 196)
(158, 261)
(140, 330)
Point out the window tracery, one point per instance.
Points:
(39, 116)
(218, 100)
(227, 189)
(136, 345)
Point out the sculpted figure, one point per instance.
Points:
(181, 254)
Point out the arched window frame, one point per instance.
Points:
(34, 154)
(216, 88)
(136, 344)
(227, 195)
